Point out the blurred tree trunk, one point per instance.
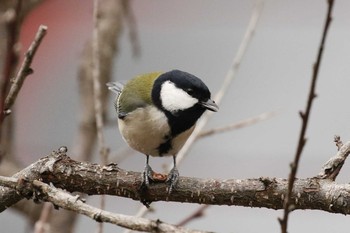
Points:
(111, 14)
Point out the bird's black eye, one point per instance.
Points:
(189, 91)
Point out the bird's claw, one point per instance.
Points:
(172, 179)
(147, 175)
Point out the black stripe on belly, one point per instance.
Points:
(165, 147)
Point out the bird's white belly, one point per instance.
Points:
(146, 128)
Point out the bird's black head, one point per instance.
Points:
(183, 97)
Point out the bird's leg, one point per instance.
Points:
(146, 176)
(147, 173)
(173, 176)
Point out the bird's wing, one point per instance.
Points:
(133, 95)
(133, 98)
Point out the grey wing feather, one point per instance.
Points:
(116, 87)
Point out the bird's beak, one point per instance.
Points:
(210, 105)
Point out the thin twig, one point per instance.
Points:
(227, 81)
(224, 87)
(237, 125)
(197, 214)
(133, 35)
(288, 207)
(98, 96)
(97, 86)
(12, 20)
(43, 225)
(25, 69)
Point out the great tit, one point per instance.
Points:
(157, 112)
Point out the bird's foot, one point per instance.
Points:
(147, 175)
(172, 179)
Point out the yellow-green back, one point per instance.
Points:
(137, 93)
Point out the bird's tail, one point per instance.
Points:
(116, 87)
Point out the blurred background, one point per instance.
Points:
(202, 38)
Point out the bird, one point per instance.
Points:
(157, 112)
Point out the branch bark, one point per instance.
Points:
(93, 179)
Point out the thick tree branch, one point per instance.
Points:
(94, 179)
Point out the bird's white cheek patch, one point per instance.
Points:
(175, 99)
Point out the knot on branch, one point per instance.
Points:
(332, 167)
(25, 188)
(97, 217)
